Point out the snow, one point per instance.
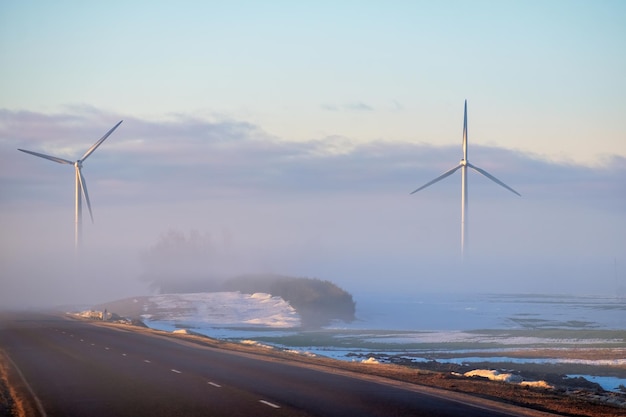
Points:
(493, 375)
(495, 359)
(537, 384)
(255, 343)
(506, 377)
(199, 310)
(478, 337)
(90, 314)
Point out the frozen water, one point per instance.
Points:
(608, 383)
(487, 311)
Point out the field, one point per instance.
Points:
(561, 338)
(559, 353)
(436, 365)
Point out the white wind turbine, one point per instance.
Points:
(463, 167)
(81, 185)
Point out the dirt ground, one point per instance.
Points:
(560, 400)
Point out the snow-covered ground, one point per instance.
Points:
(219, 309)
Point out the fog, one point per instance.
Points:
(331, 208)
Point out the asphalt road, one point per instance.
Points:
(75, 368)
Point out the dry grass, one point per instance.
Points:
(16, 399)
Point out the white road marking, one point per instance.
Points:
(176, 370)
(106, 348)
(214, 384)
(123, 354)
(93, 344)
(269, 403)
(147, 361)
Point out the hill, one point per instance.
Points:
(317, 302)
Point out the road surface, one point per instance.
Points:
(76, 368)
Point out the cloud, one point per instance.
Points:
(329, 107)
(357, 106)
(396, 106)
(204, 156)
(393, 106)
(333, 208)
(146, 160)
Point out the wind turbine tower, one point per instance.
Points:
(463, 165)
(80, 184)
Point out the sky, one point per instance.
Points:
(291, 134)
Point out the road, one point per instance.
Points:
(76, 368)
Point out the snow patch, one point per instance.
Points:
(537, 384)
(91, 314)
(494, 375)
(371, 361)
(197, 310)
(476, 337)
(255, 343)
(506, 377)
(300, 352)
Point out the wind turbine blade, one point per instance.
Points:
(83, 186)
(439, 178)
(99, 142)
(492, 178)
(52, 158)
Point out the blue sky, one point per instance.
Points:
(542, 76)
(298, 129)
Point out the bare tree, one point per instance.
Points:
(180, 263)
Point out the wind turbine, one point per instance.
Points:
(463, 167)
(81, 185)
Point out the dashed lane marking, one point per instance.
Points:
(147, 361)
(269, 404)
(214, 384)
(176, 371)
